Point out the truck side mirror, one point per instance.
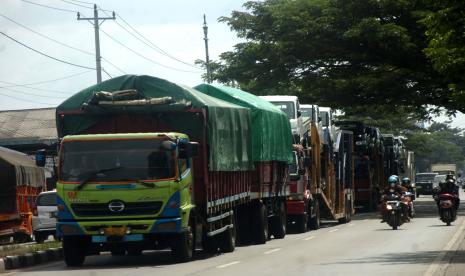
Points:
(299, 113)
(40, 158)
(188, 150)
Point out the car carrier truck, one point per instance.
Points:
(148, 164)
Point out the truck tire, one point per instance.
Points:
(243, 225)
(228, 238)
(301, 223)
(183, 245)
(348, 213)
(279, 222)
(314, 222)
(74, 251)
(260, 229)
(118, 251)
(38, 237)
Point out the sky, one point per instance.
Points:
(174, 26)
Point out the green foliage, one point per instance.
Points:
(338, 53)
(446, 48)
(438, 144)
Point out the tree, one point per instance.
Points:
(338, 53)
(446, 47)
(440, 143)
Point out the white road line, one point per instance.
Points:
(352, 224)
(271, 251)
(334, 230)
(365, 220)
(309, 238)
(228, 264)
(440, 257)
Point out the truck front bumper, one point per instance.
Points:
(129, 230)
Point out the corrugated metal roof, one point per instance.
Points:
(29, 126)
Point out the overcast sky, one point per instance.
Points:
(175, 26)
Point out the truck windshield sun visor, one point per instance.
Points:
(106, 161)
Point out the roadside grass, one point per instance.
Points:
(18, 249)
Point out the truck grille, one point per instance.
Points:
(130, 208)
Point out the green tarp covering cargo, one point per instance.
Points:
(271, 130)
(169, 104)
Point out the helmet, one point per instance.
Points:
(393, 179)
(406, 181)
(450, 176)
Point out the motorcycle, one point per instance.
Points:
(409, 197)
(447, 208)
(394, 215)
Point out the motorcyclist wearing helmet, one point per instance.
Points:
(449, 187)
(393, 187)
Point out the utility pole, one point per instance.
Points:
(207, 59)
(95, 21)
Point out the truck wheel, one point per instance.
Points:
(38, 237)
(74, 251)
(228, 238)
(260, 217)
(183, 245)
(243, 225)
(279, 222)
(347, 214)
(314, 222)
(302, 223)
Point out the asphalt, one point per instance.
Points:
(425, 246)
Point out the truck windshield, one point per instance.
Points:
(287, 107)
(135, 159)
(306, 112)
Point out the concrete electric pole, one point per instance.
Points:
(95, 21)
(207, 58)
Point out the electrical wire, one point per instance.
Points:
(33, 94)
(83, 2)
(79, 5)
(144, 57)
(11, 84)
(24, 100)
(50, 7)
(47, 37)
(59, 42)
(146, 41)
(56, 59)
(106, 73)
(48, 81)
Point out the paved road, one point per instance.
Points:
(363, 246)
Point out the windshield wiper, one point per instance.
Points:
(139, 181)
(93, 174)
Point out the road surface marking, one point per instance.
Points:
(271, 251)
(228, 264)
(365, 220)
(334, 230)
(309, 238)
(437, 262)
(352, 224)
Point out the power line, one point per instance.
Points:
(117, 68)
(47, 37)
(59, 42)
(147, 42)
(50, 7)
(23, 100)
(48, 81)
(79, 5)
(57, 59)
(142, 56)
(83, 2)
(106, 73)
(33, 94)
(11, 84)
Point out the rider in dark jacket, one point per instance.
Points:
(448, 187)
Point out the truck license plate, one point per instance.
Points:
(115, 231)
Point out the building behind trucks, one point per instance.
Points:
(369, 163)
(148, 164)
(21, 181)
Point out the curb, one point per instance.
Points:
(30, 259)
